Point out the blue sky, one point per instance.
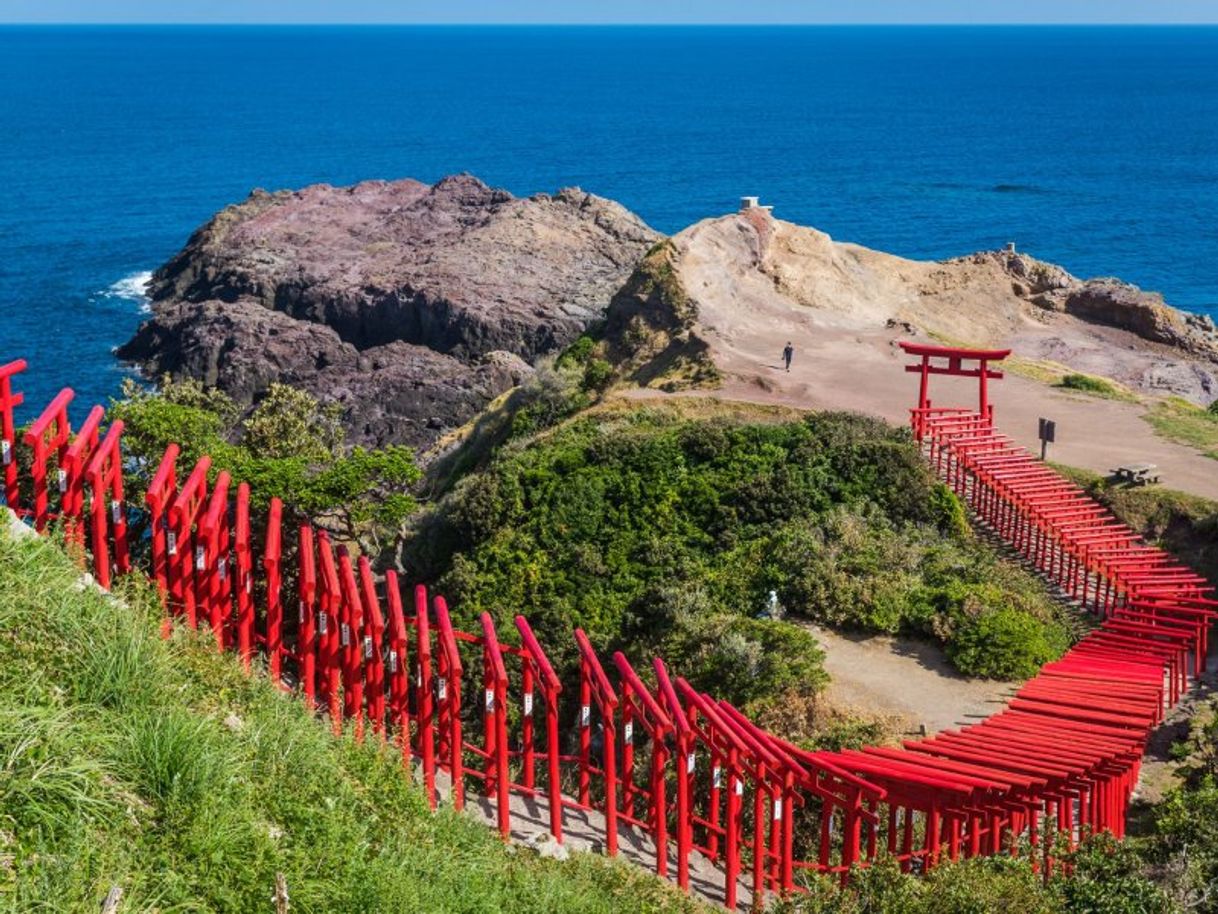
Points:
(612, 11)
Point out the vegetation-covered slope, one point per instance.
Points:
(159, 767)
(655, 531)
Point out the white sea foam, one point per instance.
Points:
(132, 288)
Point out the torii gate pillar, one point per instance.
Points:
(956, 359)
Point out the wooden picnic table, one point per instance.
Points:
(1137, 474)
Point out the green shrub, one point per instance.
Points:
(598, 375)
(1109, 878)
(553, 393)
(578, 353)
(1089, 384)
(985, 885)
(948, 512)
(749, 659)
(1003, 644)
(991, 885)
(290, 446)
(633, 524)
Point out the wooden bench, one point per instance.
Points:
(1137, 474)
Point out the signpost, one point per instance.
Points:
(1047, 434)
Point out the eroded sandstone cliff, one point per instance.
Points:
(728, 289)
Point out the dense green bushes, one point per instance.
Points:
(1004, 644)
(1090, 384)
(650, 531)
(1108, 878)
(857, 569)
(290, 446)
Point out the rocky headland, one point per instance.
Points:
(415, 305)
(412, 305)
(725, 289)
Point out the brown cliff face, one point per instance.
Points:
(413, 305)
(1108, 302)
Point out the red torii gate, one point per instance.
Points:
(956, 358)
(9, 400)
(1061, 759)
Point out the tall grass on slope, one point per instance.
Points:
(161, 768)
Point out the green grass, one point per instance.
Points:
(161, 768)
(1095, 386)
(1042, 370)
(1176, 419)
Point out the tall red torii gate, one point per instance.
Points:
(955, 357)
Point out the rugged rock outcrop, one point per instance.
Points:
(412, 305)
(651, 332)
(1109, 302)
(726, 290)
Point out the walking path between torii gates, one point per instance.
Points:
(619, 754)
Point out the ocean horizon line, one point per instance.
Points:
(611, 25)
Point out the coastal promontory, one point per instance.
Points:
(415, 306)
(412, 305)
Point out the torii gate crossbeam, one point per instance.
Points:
(951, 360)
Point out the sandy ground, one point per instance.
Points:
(751, 275)
(759, 282)
(838, 368)
(905, 677)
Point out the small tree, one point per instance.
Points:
(290, 446)
(290, 422)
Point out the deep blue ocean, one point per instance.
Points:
(1093, 147)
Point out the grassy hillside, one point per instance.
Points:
(662, 529)
(160, 768)
(1179, 420)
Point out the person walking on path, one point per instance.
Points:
(787, 352)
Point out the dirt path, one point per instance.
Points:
(864, 372)
(584, 831)
(909, 678)
(840, 368)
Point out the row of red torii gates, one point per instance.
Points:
(643, 749)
